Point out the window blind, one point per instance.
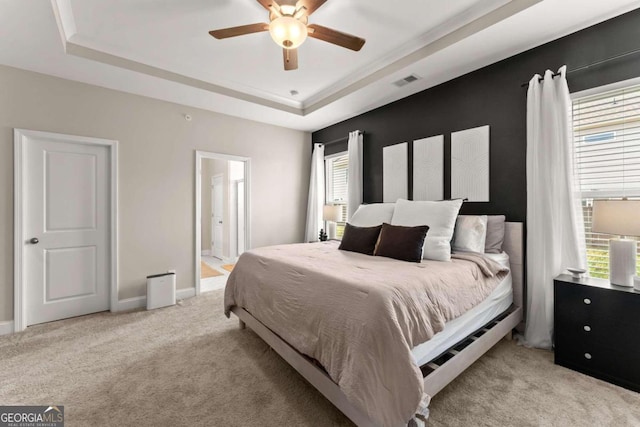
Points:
(337, 172)
(606, 130)
(607, 143)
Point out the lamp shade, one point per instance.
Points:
(619, 217)
(288, 32)
(332, 213)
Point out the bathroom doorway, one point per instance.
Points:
(222, 217)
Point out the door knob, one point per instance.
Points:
(219, 222)
(34, 241)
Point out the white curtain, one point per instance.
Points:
(354, 182)
(316, 194)
(555, 233)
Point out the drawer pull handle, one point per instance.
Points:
(587, 328)
(587, 356)
(587, 301)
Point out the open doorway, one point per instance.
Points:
(222, 217)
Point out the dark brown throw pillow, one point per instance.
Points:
(360, 239)
(403, 243)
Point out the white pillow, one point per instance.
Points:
(439, 216)
(470, 233)
(372, 215)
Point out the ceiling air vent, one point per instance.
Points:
(405, 81)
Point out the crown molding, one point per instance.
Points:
(433, 44)
(463, 25)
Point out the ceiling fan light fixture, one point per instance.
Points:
(288, 32)
(287, 9)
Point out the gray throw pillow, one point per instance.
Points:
(495, 234)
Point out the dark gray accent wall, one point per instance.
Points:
(491, 96)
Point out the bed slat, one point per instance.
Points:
(442, 376)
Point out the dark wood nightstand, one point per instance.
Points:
(597, 329)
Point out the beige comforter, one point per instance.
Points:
(360, 315)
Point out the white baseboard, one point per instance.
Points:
(185, 293)
(6, 327)
(131, 304)
(141, 302)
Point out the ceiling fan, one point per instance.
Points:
(289, 28)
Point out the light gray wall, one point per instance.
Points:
(156, 171)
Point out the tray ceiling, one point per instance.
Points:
(162, 48)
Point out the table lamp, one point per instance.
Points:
(622, 218)
(331, 214)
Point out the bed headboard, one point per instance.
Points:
(513, 245)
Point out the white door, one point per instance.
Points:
(217, 210)
(66, 202)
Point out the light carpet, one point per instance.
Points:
(189, 365)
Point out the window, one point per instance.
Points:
(337, 175)
(607, 149)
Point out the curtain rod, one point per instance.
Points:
(593, 64)
(344, 138)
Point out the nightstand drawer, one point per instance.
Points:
(584, 304)
(605, 330)
(613, 365)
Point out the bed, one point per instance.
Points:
(454, 345)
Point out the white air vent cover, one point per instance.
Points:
(405, 81)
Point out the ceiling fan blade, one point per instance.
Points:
(311, 5)
(336, 37)
(225, 33)
(267, 4)
(290, 57)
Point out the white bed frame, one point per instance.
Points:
(438, 373)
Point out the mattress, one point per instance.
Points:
(459, 328)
